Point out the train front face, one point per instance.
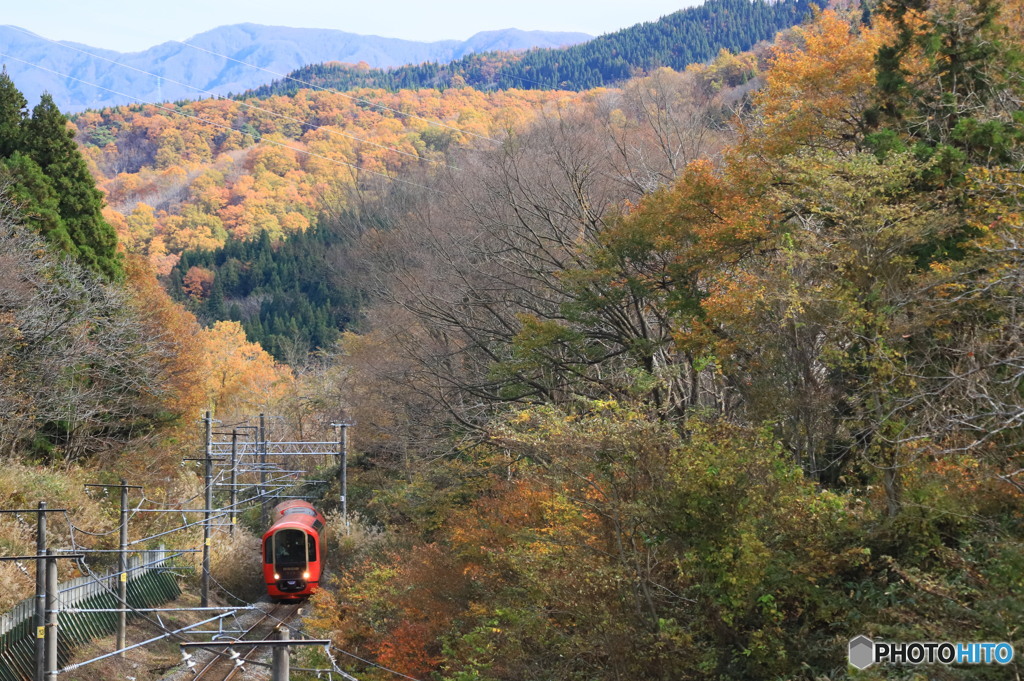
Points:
(291, 561)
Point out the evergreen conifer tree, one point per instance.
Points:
(49, 142)
(37, 200)
(13, 112)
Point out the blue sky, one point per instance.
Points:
(130, 25)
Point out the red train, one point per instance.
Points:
(293, 550)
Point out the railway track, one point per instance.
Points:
(223, 667)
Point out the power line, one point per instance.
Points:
(332, 90)
(219, 125)
(298, 630)
(240, 103)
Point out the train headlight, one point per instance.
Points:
(277, 576)
(305, 575)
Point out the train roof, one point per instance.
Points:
(295, 514)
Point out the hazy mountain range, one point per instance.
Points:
(198, 63)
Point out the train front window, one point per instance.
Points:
(290, 548)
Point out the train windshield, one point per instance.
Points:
(290, 548)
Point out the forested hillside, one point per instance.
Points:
(212, 174)
(251, 175)
(711, 426)
(698, 377)
(287, 296)
(689, 36)
(95, 355)
(187, 177)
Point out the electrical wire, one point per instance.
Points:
(221, 125)
(176, 507)
(160, 627)
(214, 95)
(103, 582)
(336, 92)
(157, 624)
(298, 630)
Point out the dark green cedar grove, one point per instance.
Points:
(301, 306)
(682, 38)
(50, 182)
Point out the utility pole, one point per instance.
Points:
(208, 475)
(40, 558)
(207, 510)
(234, 479)
(122, 581)
(49, 671)
(51, 617)
(280, 670)
(263, 472)
(233, 493)
(343, 469)
(41, 590)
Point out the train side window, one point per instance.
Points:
(312, 548)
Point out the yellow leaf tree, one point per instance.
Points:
(240, 377)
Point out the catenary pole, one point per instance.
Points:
(263, 472)
(122, 582)
(344, 474)
(208, 497)
(41, 591)
(51, 617)
(234, 478)
(280, 670)
(41, 561)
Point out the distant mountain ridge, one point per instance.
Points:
(274, 48)
(694, 34)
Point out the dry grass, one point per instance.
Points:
(23, 486)
(235, 564)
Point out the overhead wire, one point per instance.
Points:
(299, 630)
(336, 92)
(271, 112)
(102, 582)
(176, 507)
(158, 625)
(220, 125)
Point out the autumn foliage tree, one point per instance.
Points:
(241, 378)
(715, 426)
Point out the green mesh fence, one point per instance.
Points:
(147, 588)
